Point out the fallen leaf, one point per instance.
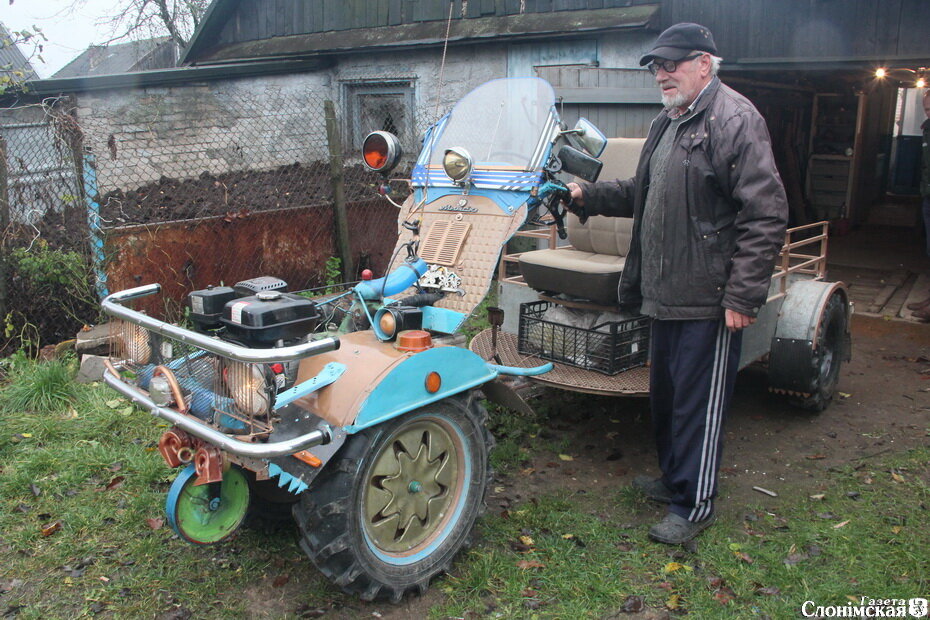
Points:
(528, 564)
(155, 523)
(671, 567)
(743, 557)
(840, 524)
(633, 604)
(724, 595)
(36, 491)
(816, 457)
(115, 483)
(280, 581)
(818, 497)
(770, 591)
(527, 540)
(843, 394)
(115, 467)
(734, 547)
(566, 457)
(666, 585)
(51, 528)
(897, 477)
(896, 529)
(500, 489)
(527, 471)
(519, 547)
(115, 403)
(673, 602)
(794, 558)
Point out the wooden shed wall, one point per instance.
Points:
(814, 30)
(250, 21)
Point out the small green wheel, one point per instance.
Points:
(207, 513)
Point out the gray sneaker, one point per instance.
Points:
(675, 530)
(654, 488)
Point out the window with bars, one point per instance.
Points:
(380, 106)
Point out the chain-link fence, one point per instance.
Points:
(199, 185)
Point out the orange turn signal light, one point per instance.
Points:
(433, 382)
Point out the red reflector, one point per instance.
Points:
(277, 368)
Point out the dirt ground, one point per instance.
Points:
(293, 185)
(883, 406)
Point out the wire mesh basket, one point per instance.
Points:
(609, 347)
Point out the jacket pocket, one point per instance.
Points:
(713, 245)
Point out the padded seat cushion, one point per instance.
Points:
(574, 272)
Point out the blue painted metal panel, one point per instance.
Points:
(442, 320)
(93, 222)
(403, 389)
(328, 375)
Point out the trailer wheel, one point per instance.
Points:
(827, 357)
(399, 500)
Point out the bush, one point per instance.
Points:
(51, 295)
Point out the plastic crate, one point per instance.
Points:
(608, 348)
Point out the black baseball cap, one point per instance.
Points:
(678, 41)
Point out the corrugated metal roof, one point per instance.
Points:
(147, 54)
(12, 58)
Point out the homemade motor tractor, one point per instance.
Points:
(356, 409)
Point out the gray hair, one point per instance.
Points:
(715, 64)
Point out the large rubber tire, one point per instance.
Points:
(828, 357)
(270, 506)
(399, 500)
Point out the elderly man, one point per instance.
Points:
(709, 215)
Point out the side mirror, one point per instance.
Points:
(589, 137)
(381, 151)
(579, 164)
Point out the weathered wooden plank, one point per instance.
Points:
(315, 19)
(395, 12)
(604, 95)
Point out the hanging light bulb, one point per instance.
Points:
(921, 82)
(880, 72)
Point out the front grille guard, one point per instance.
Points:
(216, 384)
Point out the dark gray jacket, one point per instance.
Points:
(725, 211)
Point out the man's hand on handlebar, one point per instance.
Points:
(574, 201)
(576, 204)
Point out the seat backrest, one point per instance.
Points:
(609, 235)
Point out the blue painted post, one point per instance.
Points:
(93, 222)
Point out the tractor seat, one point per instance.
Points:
(590, 267)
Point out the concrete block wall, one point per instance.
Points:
(142, 134)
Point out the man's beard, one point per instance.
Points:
(676, 101)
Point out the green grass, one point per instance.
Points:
(44, 386)
(93, 467)
(586, 559)
(105, 556)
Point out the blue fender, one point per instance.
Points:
(403, 388)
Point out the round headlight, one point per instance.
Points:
(135, 341)
(248, 388)
(387, 322)
(457, 164)
(381, 151)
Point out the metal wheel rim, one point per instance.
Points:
(198, 518)
(413, 487)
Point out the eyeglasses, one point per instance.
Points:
(670, 66)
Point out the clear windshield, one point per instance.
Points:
(500, 124)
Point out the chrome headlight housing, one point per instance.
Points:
(457, 163)
(248, 387)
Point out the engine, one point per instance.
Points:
(257, 313)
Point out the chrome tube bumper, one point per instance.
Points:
(210, 435)
(112, 305)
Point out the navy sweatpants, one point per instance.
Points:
(693, 370)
